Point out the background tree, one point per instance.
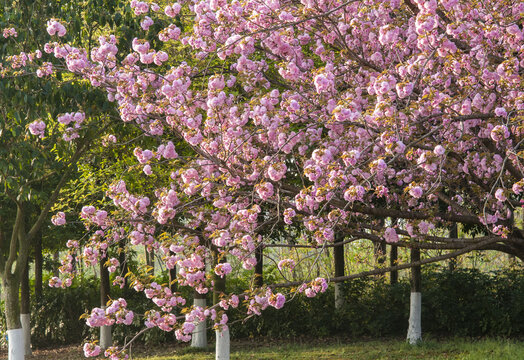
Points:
(39, 148)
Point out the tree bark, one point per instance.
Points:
(25, 309)
(39, 263)
(415, 309)
(10, 293)
(11, 272)
(259, 267)
(393, 258)
(56, 263)
(24, 291)
(105, 289)
(172, 277)
(15, 333)
(339, 264)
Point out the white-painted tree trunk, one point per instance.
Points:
(222, 348)
(15, 338)
(105, 337)
(25, 319)
(199, 338)
(339, 296)
(415, 318)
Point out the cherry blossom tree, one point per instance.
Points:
(377, 120)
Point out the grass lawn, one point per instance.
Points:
(319, 349)
(366, 350)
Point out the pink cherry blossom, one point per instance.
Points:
(390, 235)
(37, 128)
(91, 350)
(416, 192)
(499, 195)
(59, 219)
(55, 27)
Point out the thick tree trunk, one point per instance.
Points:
(415, 307)
(222, 345)
(39, 263)
(338, 256)
(25, 309)
(172, 277)
(73, 263)
(10, 288)
(24, 291)
(11, 272)
(199, 338)
(105, 331)
(393, 258)
(56, 263)
(15, 333)
(259, 267)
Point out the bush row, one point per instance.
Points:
(458, 303)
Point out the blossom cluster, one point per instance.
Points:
(9, 32)
(115, 312)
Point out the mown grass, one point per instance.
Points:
(459, 349)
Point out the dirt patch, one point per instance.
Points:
(72, 352)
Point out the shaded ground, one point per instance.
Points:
(74, 352)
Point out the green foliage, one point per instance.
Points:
(469, 302)
(459, 303)
(55, 317)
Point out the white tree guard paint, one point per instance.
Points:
(15, 338)
(25, 319)
(222, 348)
(339, 296)
(105, 337)
(199, 337)
(415, 318)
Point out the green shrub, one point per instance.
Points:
(55, 317)
(458, 303)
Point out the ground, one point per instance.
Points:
(321, 349)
